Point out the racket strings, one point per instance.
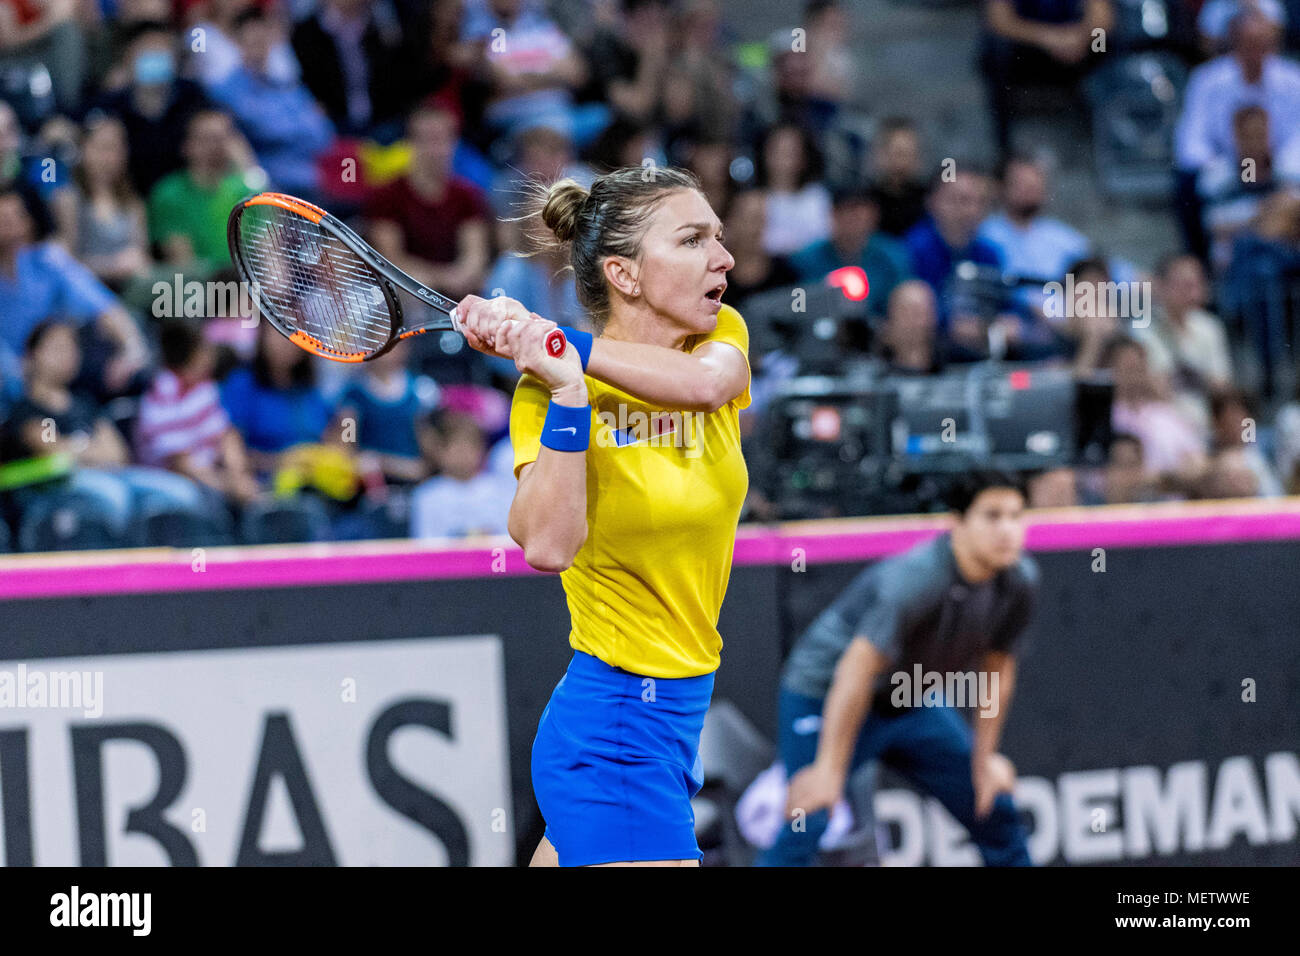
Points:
(314, 282)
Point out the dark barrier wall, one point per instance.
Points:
(1155, 719)
(528, 613)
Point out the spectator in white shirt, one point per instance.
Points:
(464, 498)
(1250, 74)
(1033, 245)
(220, 56)
(798, 205)
(1185, 344)
(1235, 425)
(533, 67)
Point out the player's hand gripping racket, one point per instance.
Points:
(323, 287)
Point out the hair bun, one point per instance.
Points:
(560, 212)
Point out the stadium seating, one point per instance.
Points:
(284, 521)
(1135, 101)
(182, 529)
(1141, 24)
(376, 520)
(67, 521)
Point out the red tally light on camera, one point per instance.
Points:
(824, 423)
(852, 281)
(1018, 380)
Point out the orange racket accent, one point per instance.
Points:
(304, 209)
(409, 332)
(305, 341)
(301, 202)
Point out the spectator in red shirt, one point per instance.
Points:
(431, 222)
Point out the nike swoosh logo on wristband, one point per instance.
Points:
(571, 430)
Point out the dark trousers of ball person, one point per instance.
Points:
(930, 746)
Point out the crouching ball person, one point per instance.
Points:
(630, 484)
(945, 615)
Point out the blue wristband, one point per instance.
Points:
(581, 341)
(567, 427)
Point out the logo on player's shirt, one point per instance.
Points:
(658, 426)
(657, 429)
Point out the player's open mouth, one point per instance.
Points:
(715, 294)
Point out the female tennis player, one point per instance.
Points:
(633, 502)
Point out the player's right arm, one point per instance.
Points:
(548, 517)
(820, 785)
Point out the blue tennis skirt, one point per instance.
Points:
(616, 761)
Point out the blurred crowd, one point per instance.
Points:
(139, 408)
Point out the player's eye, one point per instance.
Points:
(692, 241)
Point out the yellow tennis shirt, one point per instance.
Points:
(664, 492)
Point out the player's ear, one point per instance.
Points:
(623, 275)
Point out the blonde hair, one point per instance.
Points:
(609, 219)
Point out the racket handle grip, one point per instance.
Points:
(556, 343)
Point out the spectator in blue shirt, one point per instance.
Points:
(286, 127)
(40, 281)
(274, 402)
(957, 204)
(1031, 244)
(856, 241)
(378, 411)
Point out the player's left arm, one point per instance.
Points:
(702, 381)
(713, 373)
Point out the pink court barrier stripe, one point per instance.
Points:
(859, 539)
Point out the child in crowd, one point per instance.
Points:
(463, 498)
(377, 415)
(182, 425)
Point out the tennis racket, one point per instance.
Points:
(323, 287)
